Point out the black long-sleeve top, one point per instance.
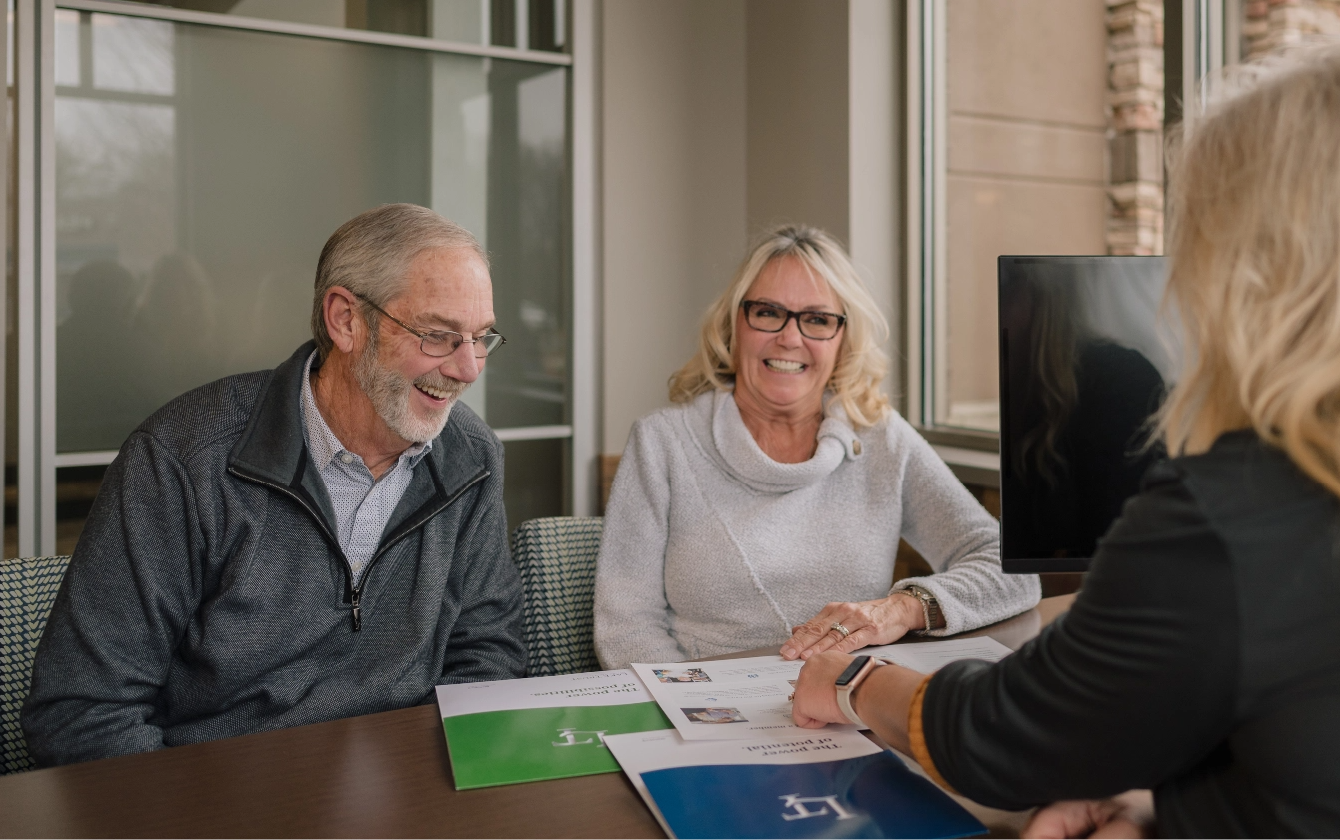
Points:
(1201, 659)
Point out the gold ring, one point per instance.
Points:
(838, 627)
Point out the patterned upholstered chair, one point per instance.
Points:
(27, 589)
(557, 558)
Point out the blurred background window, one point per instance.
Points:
(201, 164)
(521, 24)
(1038, 129)
(1019, 166)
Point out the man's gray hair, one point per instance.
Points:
(371, 253)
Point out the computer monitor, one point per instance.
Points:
(1085, 361)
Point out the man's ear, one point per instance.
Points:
(343, 322)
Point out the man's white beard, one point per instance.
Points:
(390, 393)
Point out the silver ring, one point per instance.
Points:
(838, 627)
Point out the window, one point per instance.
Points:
(1037, 127)
(522, 24)
(201, 161)
(1013, 161)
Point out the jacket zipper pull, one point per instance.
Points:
(356, 595)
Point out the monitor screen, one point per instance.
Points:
(1085, 362)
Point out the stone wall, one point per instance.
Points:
(1273, 26)
(1135, 123)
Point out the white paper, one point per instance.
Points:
(727, 699)
(928, 657)
(730, 699)
(643, 752)
(595, 688)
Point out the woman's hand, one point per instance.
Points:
(1129, 815)
(815, 704)
(884, 700)
(868, 623)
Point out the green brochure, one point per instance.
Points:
(509, 731)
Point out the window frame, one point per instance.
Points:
(1211, 29)
(33, 232)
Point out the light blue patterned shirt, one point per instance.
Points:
(362, 505)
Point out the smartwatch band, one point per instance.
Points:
(855, 674)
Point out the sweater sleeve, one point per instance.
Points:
(959, 539)
(1135, 684)
(632, 615)
(125, 601)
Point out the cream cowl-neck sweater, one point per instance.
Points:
(710, 546)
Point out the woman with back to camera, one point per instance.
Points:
(1202, 657)
(766, 506)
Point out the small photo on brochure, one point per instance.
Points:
(681, 675)
(714, 715)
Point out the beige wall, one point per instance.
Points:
(674, 194)
(798, 114)
(1026, 88)
(721, 117)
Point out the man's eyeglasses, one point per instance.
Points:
(443, 343)
(768, 317)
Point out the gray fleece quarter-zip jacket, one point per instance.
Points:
(208, 596)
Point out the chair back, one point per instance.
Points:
(27, 590)
(557, 559)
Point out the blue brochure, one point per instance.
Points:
(797, 787)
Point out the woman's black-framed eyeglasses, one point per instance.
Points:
(769, 317)
(442, 343)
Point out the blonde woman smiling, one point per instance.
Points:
(765, 507)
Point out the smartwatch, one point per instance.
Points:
(855, 674)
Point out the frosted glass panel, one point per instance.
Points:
(535, 24)
(536, 475)
(132, 55)
(200, 170)
(67, 47)
(527, 382)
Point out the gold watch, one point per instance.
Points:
(930, 607)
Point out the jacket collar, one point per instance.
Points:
(273, 451)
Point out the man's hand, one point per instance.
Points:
(876, 622)
(815, 704)
(1129, 815)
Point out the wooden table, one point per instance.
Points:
(383, 775)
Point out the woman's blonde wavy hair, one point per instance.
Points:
(1254, 242)
(859, 374)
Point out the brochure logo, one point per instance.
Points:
(803, 806)
(576, 737)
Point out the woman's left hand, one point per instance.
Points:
(867, 622)
(814, 705)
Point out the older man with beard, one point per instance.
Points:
(321, 540)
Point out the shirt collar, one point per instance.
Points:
(322, 442)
